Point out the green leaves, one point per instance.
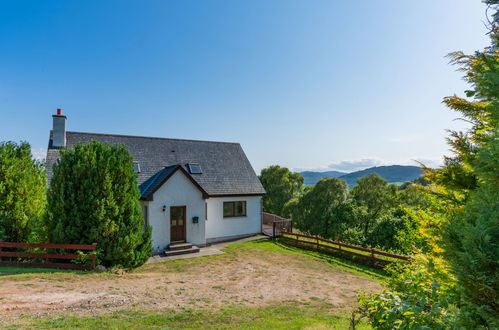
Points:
(22, 194)
(461, 226)
(419, 296)
(281, 186)
(319, 210)
(94, 198)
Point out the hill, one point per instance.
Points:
(312, 177)
(391, 173)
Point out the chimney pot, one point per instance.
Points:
(59, 112)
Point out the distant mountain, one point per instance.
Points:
(312, 177)
(392, 174)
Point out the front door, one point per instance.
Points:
(177, 224)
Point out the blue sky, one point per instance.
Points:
(303, 84)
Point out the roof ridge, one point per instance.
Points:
(152, 137)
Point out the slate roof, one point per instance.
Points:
(226, 169)
(148, 187)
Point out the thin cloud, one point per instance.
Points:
(39, 153)
(363, 163)
(356, 164)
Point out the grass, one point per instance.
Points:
(280, 246)
(263, 247)
(287, 315)
(233, 251)
(379, 256)
(312, 312)
(11, 270)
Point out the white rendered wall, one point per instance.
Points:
(218, 227)
(177, 191)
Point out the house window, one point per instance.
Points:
(194, 168)
(136, 167)
(234, 209)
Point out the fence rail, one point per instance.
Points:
(369, 257)
(273, 225)
(46, 259)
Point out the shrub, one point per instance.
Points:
(420, 295)
(94, 198)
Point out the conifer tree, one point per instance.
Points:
(94, 198)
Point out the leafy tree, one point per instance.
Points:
(281, 186)
(319, 211)
(372, 196)
(94, 198)
(23, 187)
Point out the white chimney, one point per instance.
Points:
(59, 130)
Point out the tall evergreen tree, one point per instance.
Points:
(94, 198)
(23, 187)
(471, 236)
(463, 220)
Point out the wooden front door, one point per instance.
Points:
(177, 224)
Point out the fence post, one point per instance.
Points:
(273, 229)
(46, 255)
(94, 257)
(317, 244)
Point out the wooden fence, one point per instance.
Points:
(46, 259)
(274, 225)
(369, 257)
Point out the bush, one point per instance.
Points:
(94, 198)
(420, 295)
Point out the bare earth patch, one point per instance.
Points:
(247, 275)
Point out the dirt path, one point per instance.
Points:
(249, 276)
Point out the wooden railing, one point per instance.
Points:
(370, 257)
(274, 225)
(46, 259)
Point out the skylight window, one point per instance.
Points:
(136, 167)
(194, 168)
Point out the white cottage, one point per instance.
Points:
(193, 193)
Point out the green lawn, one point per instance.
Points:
(379, 256)
(10, 270)
(290, 315)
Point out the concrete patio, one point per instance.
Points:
(209, 250)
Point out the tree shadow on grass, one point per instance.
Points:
(11, 270)
(348, 265)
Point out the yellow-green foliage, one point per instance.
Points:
(23, 187)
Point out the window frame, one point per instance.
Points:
(192, 166)
(234, 208)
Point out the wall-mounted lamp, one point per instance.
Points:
(164, 208)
